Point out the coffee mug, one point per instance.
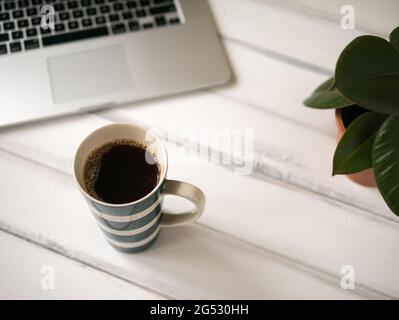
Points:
(135, 226)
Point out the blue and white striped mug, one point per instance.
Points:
(135, 226)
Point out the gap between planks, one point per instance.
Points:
(279, 56)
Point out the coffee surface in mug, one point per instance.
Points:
(120, 171)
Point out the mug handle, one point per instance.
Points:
(186, 191)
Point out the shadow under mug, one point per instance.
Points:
(133, 227)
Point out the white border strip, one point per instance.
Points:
(131, 232)
(131, 245)
(129, 218)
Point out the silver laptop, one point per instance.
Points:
(102, 53)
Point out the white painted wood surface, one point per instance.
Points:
(284, 231)
(378, 17)
(29, 271)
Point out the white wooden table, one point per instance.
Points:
(285, 231)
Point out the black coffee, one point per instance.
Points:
(120, 172)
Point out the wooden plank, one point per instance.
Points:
(29, 271)
(277, 87)
(339, 232)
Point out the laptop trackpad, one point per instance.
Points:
(89, 74)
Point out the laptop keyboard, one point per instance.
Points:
(20, 20)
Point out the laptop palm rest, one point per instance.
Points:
(89, 74)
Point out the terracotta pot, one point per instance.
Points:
(366, 177)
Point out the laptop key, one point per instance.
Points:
(22, 23)
(131, 4)
(9, 25)
(59, 7)
(74, 36)
(91, 11)
(31, 32)
(118, 28)
(59, 27)
(134, 26)
(45, 31)
(144, 3)
(4, 16)
(31, 44)
(86, 22)
(72, 4)
(141, 13)
(85, 3)
(163, 9)
(104, 9)
(36, 21)
(148, 25)
(64, 16)
(78, 13)
(127, 15)
(32, 12)
(17, 35)
(15, 46)
(17, 14)
(73, 24)
(113, 18)
(174, 21)
(118, 7)
(160, 21)
(3, 49)
(4, 37)
(100, 20)
(23, 3)
(161, 1)
(9, 5)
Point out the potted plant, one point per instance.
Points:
(365, 94)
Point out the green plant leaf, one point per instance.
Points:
(367, 73)
(394, 38)
(386, 162)
(327, 97)
(353, 153)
